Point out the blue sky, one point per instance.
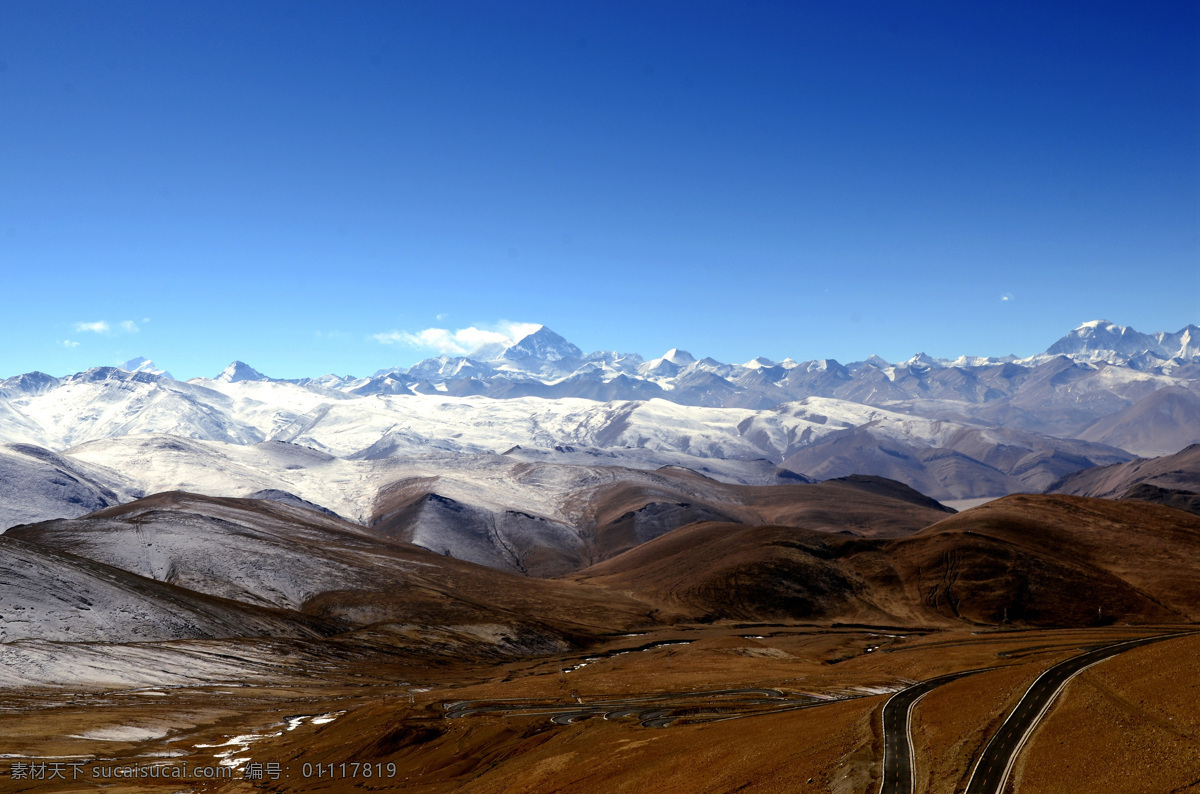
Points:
(291, 183)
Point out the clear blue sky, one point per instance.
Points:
(283, 182)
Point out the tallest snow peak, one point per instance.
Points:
(142, 364)
(239, 371)
(543, 345)
(1102, 340)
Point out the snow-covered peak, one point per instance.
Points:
(1183, 344)
(982, 361)
(668, 364)
(29, 383)
(615, 361)
(239, 371)
(819, 365)
(542, 345)
(920, 362)
(142, 364)
(679, 357)
(760, 362)
(1096, 335)
(448, 367)
(1100, 340)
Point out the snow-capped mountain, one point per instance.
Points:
(962, 428)
(239, 371)
(668, 365)
(39, 484)
(1100, 340)
(1059, 393)
(542, 345)
(108, 404)
(543, 364)
(29, 383)
(141, 364)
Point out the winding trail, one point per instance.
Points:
(656, 710)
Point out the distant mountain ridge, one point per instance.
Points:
(1078, 388)
(544, 364)
(956, 430)
(544, 352)
(1100, 340)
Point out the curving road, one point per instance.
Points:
(898, 767)
(991, 773)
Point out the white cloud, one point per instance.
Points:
(69, 343)
(103, 327)
(460, 341)
(1008, 296)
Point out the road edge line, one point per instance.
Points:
(1012, 759)
(1021, 744)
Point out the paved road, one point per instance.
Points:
(898, 768)
(991, 773)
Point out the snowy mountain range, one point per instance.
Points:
(953, 429)
(1100, 340)
(542, 391)
(544, 364)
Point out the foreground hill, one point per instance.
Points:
(522, 511)
(1180, 471)
(1050, 558)
(204, 566)
(601, 511)
(181, 567)
(298, 565)
(48, 594)
(1027, 559)
(156, 463)
(254, 551)
(36, 484)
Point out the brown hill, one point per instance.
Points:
(607, 510)
(1027, 559)
(1180, 471)
(1168, 497)
(309, 565)
(47, 594)
(627, 515)
(1060, 560)
(717, 570)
